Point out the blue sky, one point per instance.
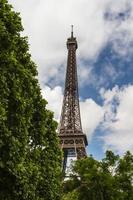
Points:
(104, 32)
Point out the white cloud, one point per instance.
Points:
(123, 33)
(54, 97)
(91, 115)
(118, 105)
(47, 24)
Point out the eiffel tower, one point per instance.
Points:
(72, 139)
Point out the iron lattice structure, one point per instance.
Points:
(71, 135)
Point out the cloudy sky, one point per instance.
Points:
(104, 31)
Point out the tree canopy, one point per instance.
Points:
(109, 179)
(30, 157)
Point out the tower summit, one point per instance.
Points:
(73, 140)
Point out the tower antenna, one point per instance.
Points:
(71, 31)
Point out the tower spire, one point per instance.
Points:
(71, 31)
(73, 140)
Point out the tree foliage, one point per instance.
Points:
(29, 152)
(109, 179)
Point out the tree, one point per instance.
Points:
(109, 179)
(124, 176)
(30, 157)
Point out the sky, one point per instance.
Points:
(104, 31)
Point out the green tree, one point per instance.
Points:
(109, 179)
(124, 176)
(30, 157)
